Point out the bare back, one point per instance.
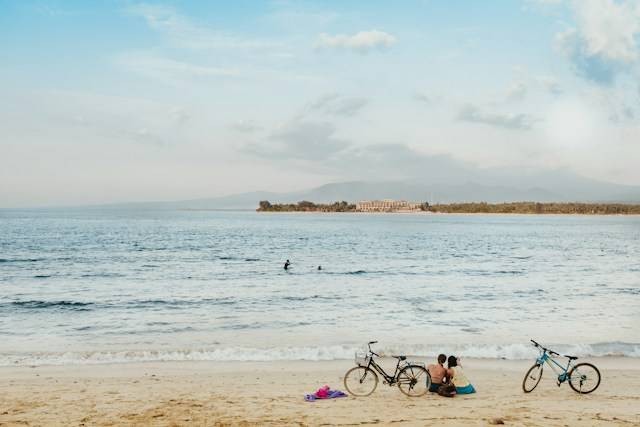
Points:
(437, 372)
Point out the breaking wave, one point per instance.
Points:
(338, 352)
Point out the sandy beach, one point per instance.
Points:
(271, 393)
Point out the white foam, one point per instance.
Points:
(517, 351)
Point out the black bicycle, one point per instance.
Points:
(411, 378)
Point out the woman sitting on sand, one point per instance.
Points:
(458, 378)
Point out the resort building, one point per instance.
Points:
(387, 205)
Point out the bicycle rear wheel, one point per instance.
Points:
(414, 380)
(360, 381)
(584, 378)
(532, 378)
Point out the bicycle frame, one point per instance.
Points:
(388, 378)
(377, 368)
(545, 357)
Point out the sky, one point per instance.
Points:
(115, 101)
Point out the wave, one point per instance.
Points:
(89, 305)
(312, 297)
(37, 304)
(337, 352)
(175, 302)
(87, 275)
(351, 273)
(236, 258)
(3, 260)
(631, 291)
(477, 272)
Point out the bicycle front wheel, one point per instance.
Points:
(532, 378)
(584, 378)
(360, 381)
(414, 380)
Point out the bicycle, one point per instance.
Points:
(582, 377)
(412, 379)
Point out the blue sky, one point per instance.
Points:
(120, 100)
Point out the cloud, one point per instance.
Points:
(516, 92)
(591, 67)
(362, 42)
(246, 126)
(336, 105)
(551, 84)
(313, 147)
(300, 140)
(398, 161)
(83, 116)
(473, 114)
(182, 32)
(169, 69)
(423, 97)
(605, 40)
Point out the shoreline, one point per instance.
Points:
(630, 362)
(434, 213)
(271, 393)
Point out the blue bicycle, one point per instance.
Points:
(582, 377)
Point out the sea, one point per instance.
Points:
(98, 285)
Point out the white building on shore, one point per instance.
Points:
(387, 205)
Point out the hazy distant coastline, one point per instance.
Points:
(466, 208)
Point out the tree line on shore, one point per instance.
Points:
(306, 206)
(472, 207)
(538, 208)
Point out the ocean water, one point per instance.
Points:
(93, 286)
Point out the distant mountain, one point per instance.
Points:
(441, 180)
(552, 187)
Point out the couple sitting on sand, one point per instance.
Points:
(453, 375)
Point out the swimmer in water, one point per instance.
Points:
(319, 267)
(286, 265)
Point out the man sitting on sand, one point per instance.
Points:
(438, 373)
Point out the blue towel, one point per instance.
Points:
(331, 395)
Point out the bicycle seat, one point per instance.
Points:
(401, 357)
(570, 357)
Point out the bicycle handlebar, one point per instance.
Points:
(544, 348)
(371, 351)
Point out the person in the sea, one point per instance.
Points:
(319, 267)
(457, 376)
(286, 265)
(438, 373)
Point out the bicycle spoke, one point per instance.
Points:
(408, 381)
(419, 374)
(584, 378)
(360, 381)
(532, 378)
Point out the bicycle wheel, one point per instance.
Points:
(414, 380)
(532, 378)
(584, 378)
(360, 381)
